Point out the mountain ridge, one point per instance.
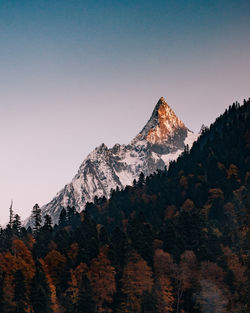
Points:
(161, 140)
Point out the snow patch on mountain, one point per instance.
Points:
(161, 140)
(190, 139)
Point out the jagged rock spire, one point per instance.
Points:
(162, 124)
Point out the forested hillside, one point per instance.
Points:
(176, 241)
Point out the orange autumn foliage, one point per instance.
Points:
(188, 205)
(137, 279)
(102, 279)
(212, 272)
(54, 301)
(55, 263)
(24, 259)
(164, 295)
(20, 259)
(8, 266)
(163, 264)
(238, 269)
(184, 275)
(72, 292)
(188, 270)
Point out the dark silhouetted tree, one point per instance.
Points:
(20, 296)
(40, 292)
(63, 218)
(37, 218)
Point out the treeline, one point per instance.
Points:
(176, 241)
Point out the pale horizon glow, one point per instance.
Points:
(75, 75)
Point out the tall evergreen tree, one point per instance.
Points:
(37, 218)
(17, 223)
(47, 222)
(63, 218)
(40, 292)
(11, 214)
(20, 292)
(71, 211)
(85, 301)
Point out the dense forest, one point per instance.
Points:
(177, 241)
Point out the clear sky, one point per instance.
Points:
(74, 74)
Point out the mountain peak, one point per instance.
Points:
(162, 124)
(162, 100)
(162, 139)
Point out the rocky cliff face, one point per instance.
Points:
(163, 125)
(161, 140)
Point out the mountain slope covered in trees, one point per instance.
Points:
(176, 241)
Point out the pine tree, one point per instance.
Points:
(85, 301)
(47, 222)
(103, 236)
(71, 211)
(11, 214)
(141, 180)
(37, 218)
(17, 223)
(63, 218)
(40, 292)
(20, 292)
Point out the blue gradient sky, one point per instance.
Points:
(74, 74)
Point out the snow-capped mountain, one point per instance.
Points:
(161, 140)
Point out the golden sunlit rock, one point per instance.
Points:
(167, 123)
